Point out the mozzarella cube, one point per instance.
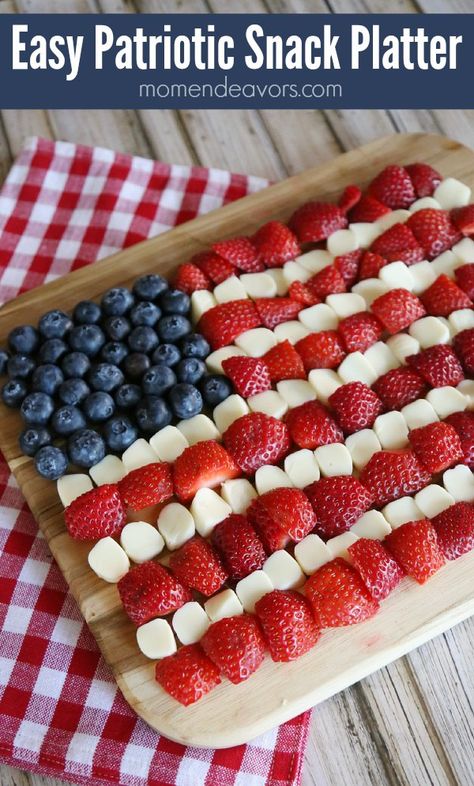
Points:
(214, 360)
(419, 413)
(425, 203)
(296, 391)
(200, 428)
(429, 331)
(446, 400)
(302, 468)
(70, 487)
(325, 381)
(141, 541)
(464, 250)
(319, 317)
(396, 275)
(238, 494)
(258, 285)
(293, 271)
(108, 560)
(446, 263)
(283, 571)
(403, 345)
(224, 604)
(316, 260)
(139, 454)
(109, 470)
(343, 241)
(201, 301)
(452, 193)
(190, 622)
(344, 304)
(291, 331)
(366, 232)
(281, 285)
(253, 587)
(466, 388)
(155, 639)
(394, 217)
(459, 482)
(311, 553)
(270, 477)
(381, 358)
(372, 524)
(362, 445)
(334, 460)
(370, 289)
(230, 289)
(207, 510)
(462, 319)
(433, 499)
(256, 342)
(169, 443)
(392, 430)
(176, 525)
(402, 510)
(232, 408)
(356, 368)
(423, 274)
(338, 546)
(270, 402)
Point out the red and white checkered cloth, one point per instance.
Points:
(61, 207)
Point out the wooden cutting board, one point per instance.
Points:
(231, 715)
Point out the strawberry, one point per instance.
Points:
(393, 187)
(240, 252)
(356, 406)
(415, 547)
(275, 244)
(349, 198)
(282, 510)
(147, 486)
(463, 219)
(321, 350)
(465, 279)
(348, 266)
(288, 624)
(398, 243)
(236, 646)
(216, 268)
(380, 573)
(197, 566)
(96, 514)
(188, 674)
(224, 322)
(190, 278)
(302, 294)
(464, 347)
(424, 178)
(437, 446)
(328, 281)
(392, 474)
(360, 331)
(433, 230)
(399, 387)
(338, 503)
(311, 426)
(315, 221)
(274, 310)
(370, 265)
(203, 465)
(397, 309)
(338, 595)
(148, 590)
(463, 424)
(368, 209)
(257, 439)
(249, 375)
(240, 548)
(283, 362)
(443, 297)
(438, 365)
(455, 530)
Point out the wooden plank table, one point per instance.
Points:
(410, 724)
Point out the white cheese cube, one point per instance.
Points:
(346, 303)
(302, 468)
(459, 482)
(176, 525)
(109, 470)
(433, 499)
(334, 460)
(70, 487)
(356, 368)
(214, 360)
(362, 445)
(270, 402)
(316, 260)
(230, 289)
(338, 546)
(381, 358)
(311, 553)
(446, 263)
(169, 443)
(139, 454)
(296, 391)
(200, 428)
(446, 400)
(256, 342)
(325, 381)
(319, 317)
(232, 408)
(258, 285)
(466, 388)
(372, 524)
(394, 217)
(464, 250)
(403, 345)
(366, 232)
(224, 604)
(423, 274)
(462, 319)
(419, 413)
(283, 571)
(452, 193)
(155, 639)
(141, 541)
(402, 510)
(343, 241)
(293, 271)
(392, 430)
(190, 622)
(207, 510)
(253, 587)
(425, 203)
(270, 477)
(281, 285)
(201, 301)
(370, 289)
(396, 275)
(429, 331)
(291, 331)
(238, 494)
(108, 560)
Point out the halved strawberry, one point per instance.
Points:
(283, 362)
(321, 350)
(349, 198)
(398, 243)
(190, 278)
(315, 221)
(368, 209)
(438, 365)
(464, 347)
(281, 515)
(455, 530)
(148, 485)
(275, 310)
(415, 547)
(275, 244)
(328, 281)
(97, 513)
(391, 474)
(203, 465)
(197, 566)
(338, 503)
(463, 219)
(370, 265)
(224, 322)
(149, 590)
(236, 646)
(215, 267)
(465, 279)
(356, 406)
(360, 331)
(240, 252)
(443, 297)
(249, 375)
(393, 187)
(311, 426)
(348, 265)
(463, 424)
(380, 572)
(188, 674)
(437, 446)
(399, 387)
(239, 546)
(338, 595)
(424, 178)
(434, 231)
(303, 294)
(256, 439)
(397, 309)
(288, 624)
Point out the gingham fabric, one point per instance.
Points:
(61, 207)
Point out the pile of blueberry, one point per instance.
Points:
(91, 383)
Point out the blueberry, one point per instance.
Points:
(145, 313)
(52, 350)
(143, 339)
(186, 400)
(47, 378)
(88, 339)
(13, 392)
(127, 396)
(117, 328)
(50, 462)
(54, 324)
(194, 346)
(20, 366)
(119, 433)
(157, 380)
(190, 370)
(73, 391)
(34, 438)
(4, 355)
(135, 365)
(149, 287)
(215, 388)
(87, 313)
(99, 406)
(105, 377)
(152, 414)
(75, 364)
(166, 355)
(173, 327)
(68, 419)
(36, 409)
(117, 301)
(86, 448)
(114, 352)
(23, 340)
(174, 302)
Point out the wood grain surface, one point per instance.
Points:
(411, 723)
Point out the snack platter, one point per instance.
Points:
(234, 713)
